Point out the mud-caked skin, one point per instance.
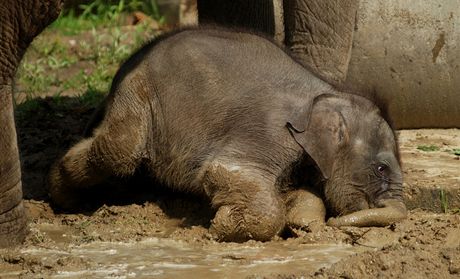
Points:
(228, 115)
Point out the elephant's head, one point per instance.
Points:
(356, 151)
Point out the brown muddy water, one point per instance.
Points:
(167, 258)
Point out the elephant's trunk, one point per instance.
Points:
(12, 215)
(391, 211)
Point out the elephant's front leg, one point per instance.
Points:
(388, 212)
(304, 208)
(247, 207)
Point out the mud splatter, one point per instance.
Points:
(440, 42)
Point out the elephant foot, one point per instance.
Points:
(62, 197)
(13, 226)
(72, 176)
(305, 210)
(235, 225)
(248, 206)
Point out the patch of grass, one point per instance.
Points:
(97, 14)
(149, 7)
(48, 47)
(80, 53)
(35, 78)
(70, 24)
(444, 201)
(103, 14)
(42, 69)
(428, 148)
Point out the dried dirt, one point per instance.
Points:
(135, 228)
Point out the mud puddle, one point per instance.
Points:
(167, 258)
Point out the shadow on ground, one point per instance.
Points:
(48, 127)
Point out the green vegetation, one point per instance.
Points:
(428, 148)
(444, 201)
(456, 151)
(103, 14)
(80, 52)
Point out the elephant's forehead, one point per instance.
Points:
(376, 135)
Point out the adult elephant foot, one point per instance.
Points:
(20, 22)
(12, 217)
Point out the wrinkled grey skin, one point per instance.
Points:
(230, 115)
(20, 22)
(319, 33)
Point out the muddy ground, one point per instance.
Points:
(134, 228)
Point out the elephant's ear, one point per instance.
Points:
(320, 130)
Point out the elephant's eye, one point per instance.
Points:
(381, 169)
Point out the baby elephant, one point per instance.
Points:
(232, 116)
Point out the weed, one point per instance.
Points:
(38, 238)
(99, 11)
(444, 201)
(83, 225)
(428, 148)
(149, 7)
(45, 47)
(34, 77)
(103, 13)
(456, 151)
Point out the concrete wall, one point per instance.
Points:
(409, 52)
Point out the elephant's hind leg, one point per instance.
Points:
(116, 149)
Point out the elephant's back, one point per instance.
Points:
(211, 75)
(215, 89)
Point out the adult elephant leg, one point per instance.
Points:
(320, 34)
(12, 217)
(20, 22)
(258, 15)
